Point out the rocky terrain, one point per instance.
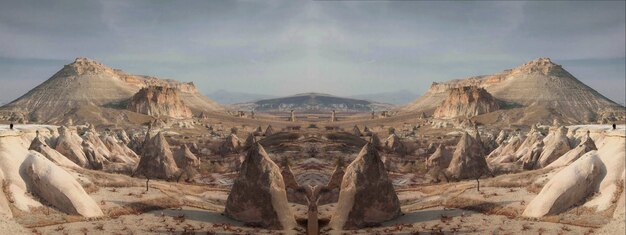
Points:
(175, 168)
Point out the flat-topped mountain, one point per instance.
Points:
(86, 88)
(540, 86)
(313, 102)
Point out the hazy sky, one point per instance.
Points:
(287, 47)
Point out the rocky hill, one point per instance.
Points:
(86, 89)
(159, 101)
(539, 87)
(313, 102)
(466, 101)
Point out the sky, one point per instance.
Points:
(288, 47)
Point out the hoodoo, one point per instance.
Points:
(157, 160)
(367, 195)
(258, 195)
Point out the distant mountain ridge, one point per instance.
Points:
(392, 97)
(233, 97)
(313, 102)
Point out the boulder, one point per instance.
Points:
(567, 187)
(258, 195)
(367, 196)
(440, 159)
(58, 187)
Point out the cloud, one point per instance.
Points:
(340, 47)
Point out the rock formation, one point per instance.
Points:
(394, 145)
(39, 145)
(557, 144)
(250, 141)
(159, 101)
(157, 160)
(356, 131)
(468, 160)
(502, 136)
(258, 195)
(58, 187)
(598, 172)
(94, 158)
(231, 144)
(566, 188)
(466, 101)
(28, 175)
(269, 131)
(184, 158)
(295, 193)
(69, 144)
(367, 195)
(440, 159)
(330, 192)
(585, 146)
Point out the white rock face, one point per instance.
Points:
(40, 146)
(566, 188)
(580, 179)
(58, 187)
(557, 144)
(28, 171)
(612, 154)
(573, 155)
(70, 146)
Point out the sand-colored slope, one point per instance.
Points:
(87, 84)
(537, 83)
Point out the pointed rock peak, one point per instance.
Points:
(269, 130)
(369, 154)
(37, 141)
(588, 143)
(541, 65)
(258, 195)
(367, 195)
(82, 65)
(375, 141)
(250, 140)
